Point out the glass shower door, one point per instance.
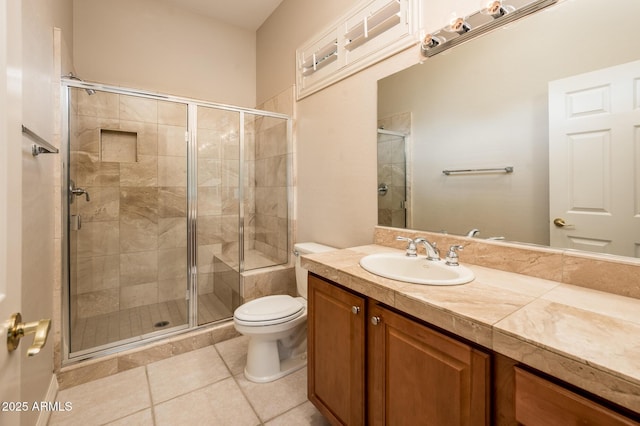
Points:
(218, 213)
(127, 221)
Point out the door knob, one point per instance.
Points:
(17, 330)
(375, 320)
(355, 310)
(560, 223)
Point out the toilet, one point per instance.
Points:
(277, 327)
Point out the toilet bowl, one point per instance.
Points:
(277, 327)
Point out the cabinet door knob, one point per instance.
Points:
(376, 320)
(355, 310)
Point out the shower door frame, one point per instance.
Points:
(192, 210)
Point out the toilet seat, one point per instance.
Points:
(268, 310)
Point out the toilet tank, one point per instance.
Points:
(301, 273)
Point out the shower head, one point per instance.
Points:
(72, 76)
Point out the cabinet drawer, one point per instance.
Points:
(541, 402)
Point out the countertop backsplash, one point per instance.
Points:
(611, 274)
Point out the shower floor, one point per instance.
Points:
(106, 329)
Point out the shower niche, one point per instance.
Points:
(186, 196)
(118, 146)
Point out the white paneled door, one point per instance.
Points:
(10, 206)
(594, 161)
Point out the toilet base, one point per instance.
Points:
(269, 359)
(287, 366)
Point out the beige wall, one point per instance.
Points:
(335, 128)
(157, 46)
(63, 18)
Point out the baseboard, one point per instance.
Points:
(52, 393)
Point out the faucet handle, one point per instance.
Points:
(452, 256)
(411, 247)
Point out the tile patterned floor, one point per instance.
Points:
(203, 387)
(106, 329)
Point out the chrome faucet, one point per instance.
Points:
(411, 247)
(431, 249)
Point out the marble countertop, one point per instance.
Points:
(585, 337)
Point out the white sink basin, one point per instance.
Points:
(417, 270)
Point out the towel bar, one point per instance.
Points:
(508, 169)
(40, 146)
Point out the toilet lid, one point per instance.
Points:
(269, 309)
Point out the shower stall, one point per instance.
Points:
(167, 202)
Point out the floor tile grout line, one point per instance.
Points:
(287, 411)
(230, 375)
(246, 397)
(151, 403)
(233, 376)
(125, 416)
(191, 391)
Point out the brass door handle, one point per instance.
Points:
(17, 330)
(560, 223)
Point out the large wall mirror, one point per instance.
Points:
(555, 96)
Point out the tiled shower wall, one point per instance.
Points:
(129, 153)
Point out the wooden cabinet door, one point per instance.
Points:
(540, 402)
(418, 376)
(336, 345)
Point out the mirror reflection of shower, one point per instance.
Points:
(392, 178)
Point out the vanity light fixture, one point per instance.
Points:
(496, 14)
(495, 9)
(430, 41)
(459, 26)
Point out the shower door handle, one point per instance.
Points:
(78, 192)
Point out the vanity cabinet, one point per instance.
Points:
(539, 402)
(371, 365)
